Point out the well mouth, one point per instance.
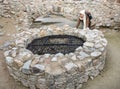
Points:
(55, 44)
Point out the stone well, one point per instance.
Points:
(56, 71)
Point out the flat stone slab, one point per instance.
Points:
(47, 20)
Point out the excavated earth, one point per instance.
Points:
(108, 79)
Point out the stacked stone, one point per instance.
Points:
(56, 71)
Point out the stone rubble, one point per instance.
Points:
(56, 71)
(105, 14)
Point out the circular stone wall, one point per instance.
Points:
(56, 71)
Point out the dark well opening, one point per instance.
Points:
(55, 44)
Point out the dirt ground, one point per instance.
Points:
(108, 79)
(6, 81)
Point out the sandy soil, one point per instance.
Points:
(6, 81)
(109, 78)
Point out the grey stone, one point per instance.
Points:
(19, 42)
(6, 53)
(95, 54)
(14, 53)
(46, 55)
(7, 44)
(32, 87)
(82, 33)
(25, 82)
(42, 81)
(74, 57)
(79, 48)
(26, 67)
(33, 79)
(54, 59)
(25, 55)
(41, 67)
(104, 42)
(98, 45)
(102, 49)
(9, 60)
(70, 65)
(79, 86)
(83, 55)
(84, 78)
(38, 68)
(5, 2)
(94, 73)
(88, 50)
(89, 44)
(1, 33)
(59, 55)
(52, 87)
(70, 86)
(50, 82)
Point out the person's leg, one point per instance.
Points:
(90, 24)
(81, 25)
